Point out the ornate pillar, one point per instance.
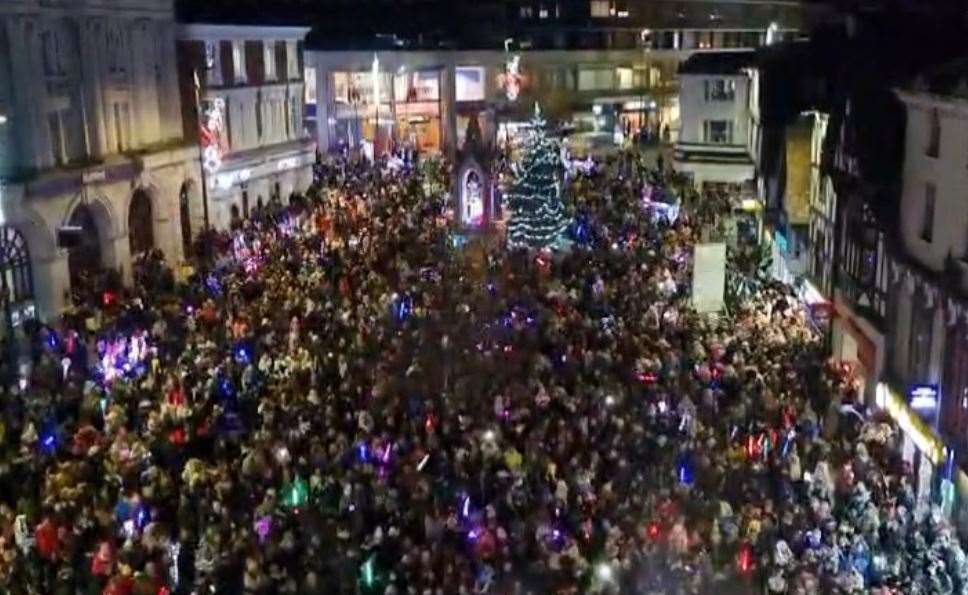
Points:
(91, 85)
(29, 93)
(448, 111)
(168, 92)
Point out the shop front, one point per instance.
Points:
(932, 463)
(857, 343)
(250, 182)
(377, 111)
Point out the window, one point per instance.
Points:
(934, 134)
(600, 8)
(16, 283)
(624, 76)
(595, 79)
(527, 12)
(269, 59)
(543, 12)
(211, 51)
(920, 339)
(292, 60)
(927, 218)
(718, 132)
(720, 90)
(122, 126)
(469, 83)
(213, 68)
(58, 151)
(238, 61)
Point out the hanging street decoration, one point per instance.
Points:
(211, 130)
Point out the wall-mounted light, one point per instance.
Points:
(3, 119)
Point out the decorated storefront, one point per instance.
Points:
(935, 475)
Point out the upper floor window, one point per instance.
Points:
(718, 132)
(117, 55)
(934, 134)
(469, 83)
(624, 76)
(927, 217)
(609, 8)
(211, 53)
(720, 90)
(238, 61)
(269, 59)
(596, 79)
(213, 67)
(292, 60)
(527, 11)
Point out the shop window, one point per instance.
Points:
(469, 83)
(927, 217)
(720, 90)
(718, 132)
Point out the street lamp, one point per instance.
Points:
(375, 75)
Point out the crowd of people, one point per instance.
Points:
(341, 401)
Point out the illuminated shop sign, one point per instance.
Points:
(911, 424)
(923, 397)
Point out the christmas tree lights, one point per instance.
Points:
(538, 217)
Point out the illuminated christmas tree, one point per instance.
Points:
(538, 217)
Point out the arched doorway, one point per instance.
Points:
(84, 256)
(141, 235)
(185, 215)
(16, 282)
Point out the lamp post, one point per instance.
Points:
(375, 75)
(201, 153)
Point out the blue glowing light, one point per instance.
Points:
(684, 471)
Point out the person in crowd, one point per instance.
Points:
(340, 401)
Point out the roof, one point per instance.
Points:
(949, 80)
(721, 62)
(240, 32)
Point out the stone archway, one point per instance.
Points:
(85, 260)
(16, 278)
(141, 235)
(185, 218)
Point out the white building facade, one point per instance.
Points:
(92, 157)
(715, 133)
(929, 342)
(251, 101)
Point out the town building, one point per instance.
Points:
(607, 72)
(242, 96)
(929, 270)
(713, 146)
(92, 152)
